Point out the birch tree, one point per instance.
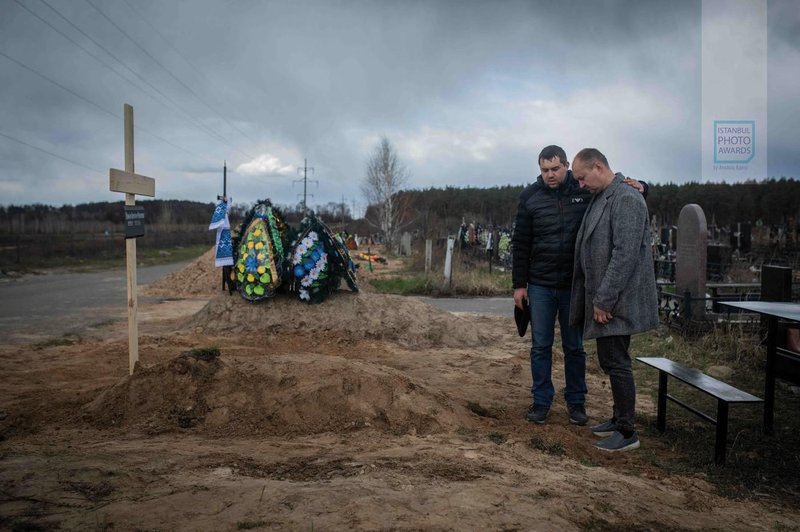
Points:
(386, 175)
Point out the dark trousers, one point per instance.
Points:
(612, 352)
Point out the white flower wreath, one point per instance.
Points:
(298, 259)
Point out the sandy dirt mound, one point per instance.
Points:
(277, 395)
(370, 436)
(344, 317)
(200, 278)
(366, 412)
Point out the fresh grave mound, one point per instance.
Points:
(277, 395)
(344, 316)
(200, 278)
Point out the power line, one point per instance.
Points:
(76, 43)
(156, 61)
(156, 89)
(207, 129)
(93, 104)
(51, 153)
(57, 84)
(182, 56)
(139, 13)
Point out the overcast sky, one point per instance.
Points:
(467, 91)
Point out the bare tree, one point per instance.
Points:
(386, 175)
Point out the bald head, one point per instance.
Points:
(590, 156)
(590, 168)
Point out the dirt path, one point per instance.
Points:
(365, 412)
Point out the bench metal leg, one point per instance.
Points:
(661, 421)
(769, 384)
(722, 432)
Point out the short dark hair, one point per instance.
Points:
(590, 156)
(551, 152)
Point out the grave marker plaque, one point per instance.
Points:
(134, 221)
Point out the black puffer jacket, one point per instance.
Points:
(545, 229)
(546, 225)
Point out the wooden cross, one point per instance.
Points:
(131, 184)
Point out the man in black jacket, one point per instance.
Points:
(548, 217)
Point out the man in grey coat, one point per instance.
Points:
(613, 286)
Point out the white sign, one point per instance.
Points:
(734, 141)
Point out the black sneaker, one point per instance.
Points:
(617, 442)
(537, 414)
(577, 414)
(605, 429)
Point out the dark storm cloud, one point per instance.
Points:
(469, 91)
(783, 95)
(784, 24)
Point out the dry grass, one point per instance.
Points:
(758, 466)
(471, 275)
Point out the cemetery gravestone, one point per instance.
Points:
(405, 244)
(673, 238)
(665, 236)
(691, 259)
(776, 283)
(428, 255)
(448, 263)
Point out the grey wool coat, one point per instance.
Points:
(614, 265)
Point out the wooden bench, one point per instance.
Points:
(725, 394)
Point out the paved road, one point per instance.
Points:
(499, 306)
(53, 300)
(55, 303)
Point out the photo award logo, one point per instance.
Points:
(734, 143)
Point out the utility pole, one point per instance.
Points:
(305, 183)
(342, 213)
(226, 270)
(224, 196)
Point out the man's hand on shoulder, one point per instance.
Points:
(634, 183)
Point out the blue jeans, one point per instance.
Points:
(546, 303)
